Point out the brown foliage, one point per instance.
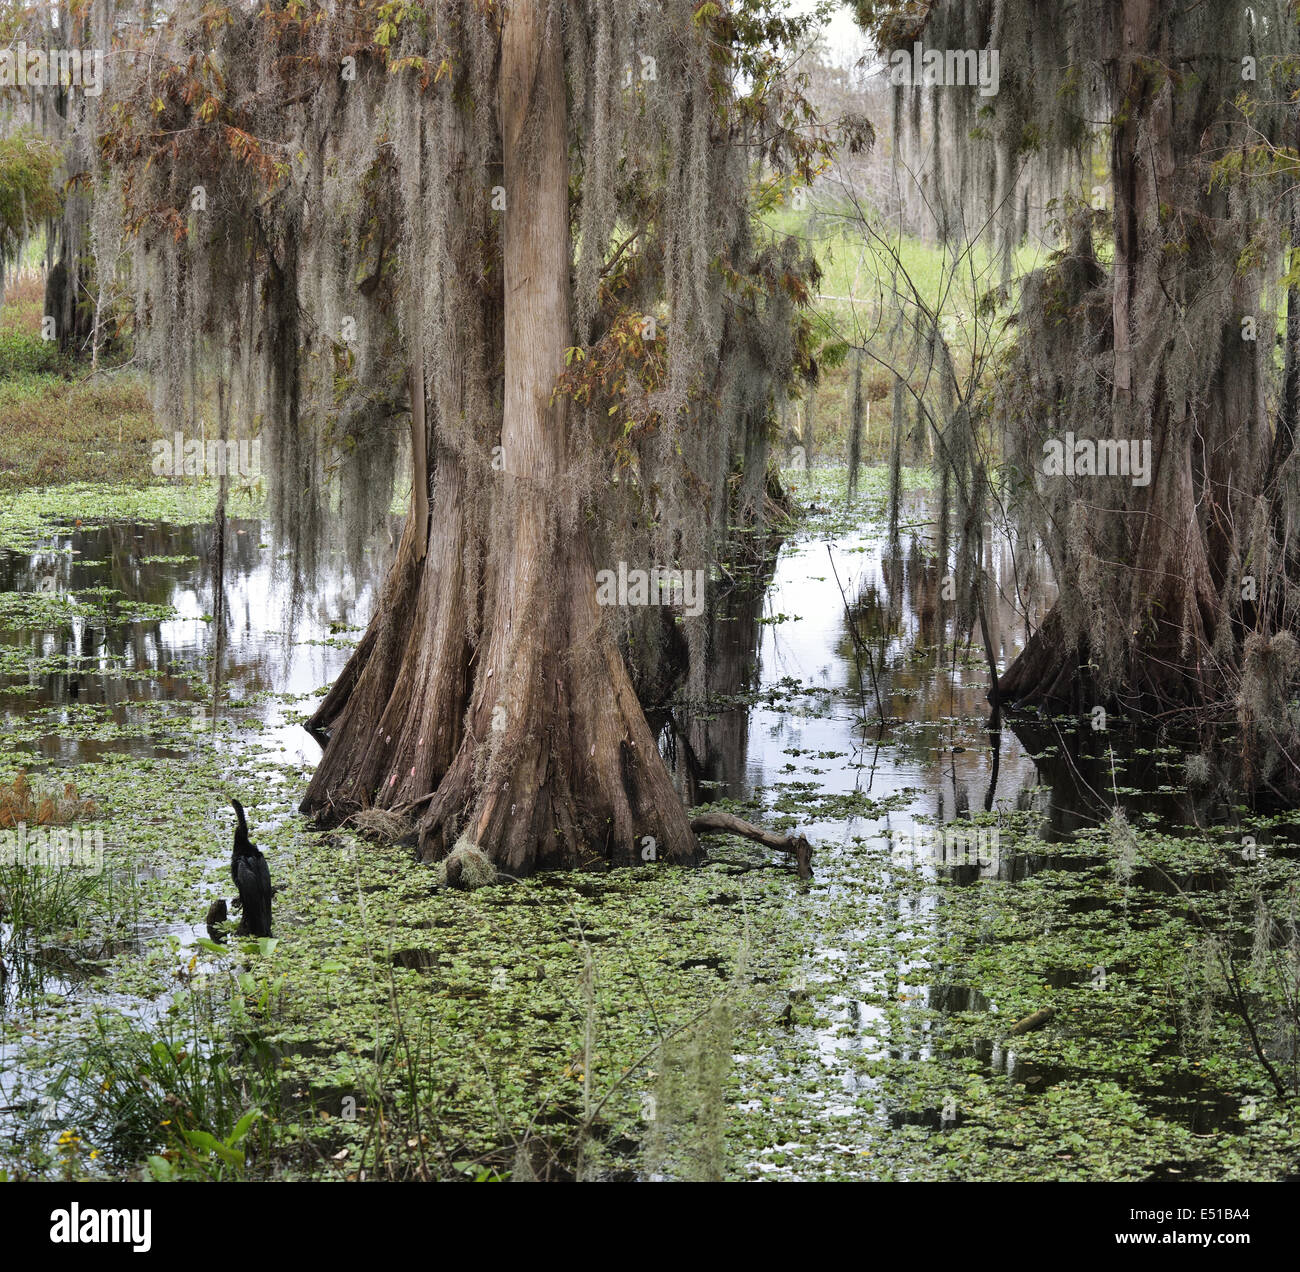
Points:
(21, 802)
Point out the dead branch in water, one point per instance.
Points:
(1031, 1022)
(727, 823)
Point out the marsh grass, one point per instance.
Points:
(21, 801)
(168, 1100)
(56, 423)
(44, 902)
(46, 917)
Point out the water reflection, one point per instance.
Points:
(106, 658)
(823, 666)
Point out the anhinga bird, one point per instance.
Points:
(252, 877)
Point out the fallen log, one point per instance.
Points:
(217, 913)
(729, 824)
(1035, 1020)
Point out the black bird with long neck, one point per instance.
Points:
(252, 877)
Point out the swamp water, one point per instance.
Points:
(722, 1022)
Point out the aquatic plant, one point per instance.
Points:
(171, 1096)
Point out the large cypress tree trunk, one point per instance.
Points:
(533, 745)
(1162, 551)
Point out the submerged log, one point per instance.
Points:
(217, 913)
(1034, 1021)
(729, 824)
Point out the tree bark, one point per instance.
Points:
(533, 744)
